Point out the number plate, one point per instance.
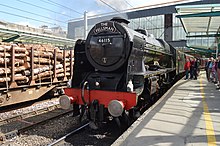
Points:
(104, 40)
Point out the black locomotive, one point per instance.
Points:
(118, 71)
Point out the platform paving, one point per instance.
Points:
(187, 115)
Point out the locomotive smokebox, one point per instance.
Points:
(108, 45)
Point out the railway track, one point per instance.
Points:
(16, 132)
(61, 140)
(14, 125)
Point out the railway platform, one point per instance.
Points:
(187, 115)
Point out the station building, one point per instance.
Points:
(159, 20)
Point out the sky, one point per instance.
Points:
(52, 13)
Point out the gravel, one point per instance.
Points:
(45, 134)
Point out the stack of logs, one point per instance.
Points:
(33, 63)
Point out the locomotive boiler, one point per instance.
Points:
(118, 71)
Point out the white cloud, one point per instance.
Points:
(63, 12)
(127, 4)
(139, 3)
(95, 12)
(116, 4)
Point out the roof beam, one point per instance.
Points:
(16, 35)
(207, 32)
(183, 26)
(203, 14)
(201, 49)
(198, 6)
(11, 38)
(210, 18)
(205, 35)
(218, 31)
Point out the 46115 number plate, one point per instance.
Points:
(104, 40)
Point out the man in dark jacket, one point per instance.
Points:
(206, 67)
(191, 68)
(195, 68)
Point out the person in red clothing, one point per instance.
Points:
(218, 72)
(187, 68)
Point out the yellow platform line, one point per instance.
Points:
(208, 120)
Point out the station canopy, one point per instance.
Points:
(204, 19)
(201, 21)
(12, 35)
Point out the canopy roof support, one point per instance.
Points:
(10, 35)
(203, 14)
(201, 21)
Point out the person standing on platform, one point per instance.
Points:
(195, 68)
(218, 72)
(206, 67)
(210, 63)
(214, 71)
(191, 68)
(187, 68)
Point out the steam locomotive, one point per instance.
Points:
(118, 71)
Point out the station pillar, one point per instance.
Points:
(168, 27)
(85, 24)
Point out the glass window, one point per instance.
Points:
(79, 32)
(153, 24)
(178, 30)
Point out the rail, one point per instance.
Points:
(62, 139)
(16, 132)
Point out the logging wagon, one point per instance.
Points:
(29, 70)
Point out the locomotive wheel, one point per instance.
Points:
(127, 119)
(134, 114)
(118, 122)
(76, 110)
(82, 113)
(123, 122)
(93, 125)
